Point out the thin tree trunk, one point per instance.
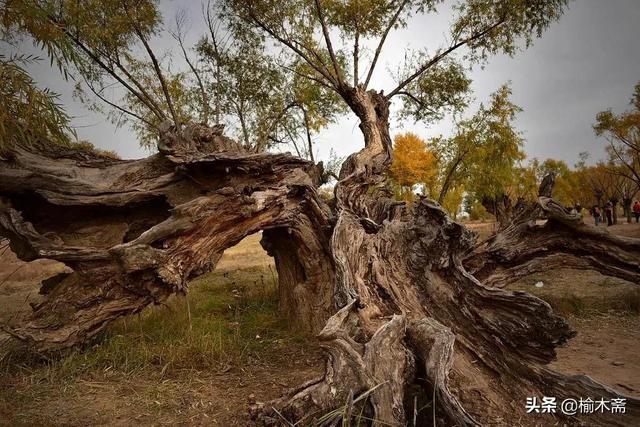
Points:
(626, 205)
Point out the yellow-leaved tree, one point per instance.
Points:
(413, 164)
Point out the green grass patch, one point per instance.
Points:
(228, 318)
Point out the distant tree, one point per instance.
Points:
(622, 132)
(627, 189)
(565, 189)
(483, 155)
(604, 185)
(413, 164)
(453, 201)
(483, 152)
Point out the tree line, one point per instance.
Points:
(483, 170)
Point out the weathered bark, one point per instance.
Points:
(134, 232)
(411, 306)
(396, 278)
(563, 241)
(501, 208)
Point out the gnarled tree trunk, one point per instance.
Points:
(395, 283)
(134, 232)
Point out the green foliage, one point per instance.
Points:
(566, 189)
(484, 154)
(505, 22)
(622, 132)
(474, 208)
(442, 89)
(247, 90)
(88, 36)
(28, 115)
(103, 41)
(20, 19)
(493, 146)
(430, 84)
(109, 46)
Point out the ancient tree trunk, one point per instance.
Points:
(134, 232)
(412, 310)
(395, 281)
(525, 247)
(502, 208)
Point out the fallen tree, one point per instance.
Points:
(525, 246)
(134, 232)
(389, 286)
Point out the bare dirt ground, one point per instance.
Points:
(605, 313)
(160, 368)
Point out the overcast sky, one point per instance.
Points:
(586, 62)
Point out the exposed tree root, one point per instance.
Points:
(564, 241)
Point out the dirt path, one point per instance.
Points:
(606, 348)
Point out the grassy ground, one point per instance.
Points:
(205, 360)
(201, 360)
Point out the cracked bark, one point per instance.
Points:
(392, 289)
(134, 232)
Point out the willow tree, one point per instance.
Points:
(404, 302)
(112, 51)
(483, 155)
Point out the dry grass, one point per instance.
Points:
(582, 293)
(247, 253)
(176, 363)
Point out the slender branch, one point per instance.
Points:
(293, 140)
(218, 49)
(421, 105)
(306, 127)
(142, 95)
(433, 61)
(306, 76)
(178, 36)
(163, 82)
(155, 106)
(274, 123)
(356, 47)
(116, 106)
(327, 39)
(633, 171)
(356, 50)
(320, 69)
(392, 22)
